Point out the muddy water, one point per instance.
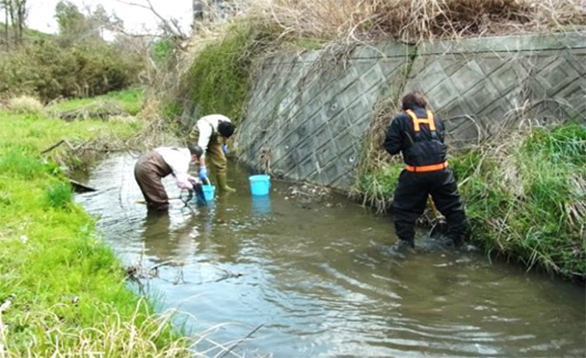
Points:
(320, 279)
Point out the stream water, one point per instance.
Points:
(319, 280)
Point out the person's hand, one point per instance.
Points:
(225, 148)
(203, 173)
(193, 180)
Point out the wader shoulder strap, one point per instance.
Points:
(417, 121)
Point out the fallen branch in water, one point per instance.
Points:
(229, 350)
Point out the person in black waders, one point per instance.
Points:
(420, 137)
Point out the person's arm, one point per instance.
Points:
(394, 137)
(205, 134)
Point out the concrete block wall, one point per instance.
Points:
(308, 113)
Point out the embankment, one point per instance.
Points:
(62, 290)
(312, 111)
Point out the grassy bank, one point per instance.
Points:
(219, 73)
(525, 196)
(63, 289)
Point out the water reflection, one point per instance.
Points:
(261, 205)
(321, 279)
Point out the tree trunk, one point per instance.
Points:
(6, 19)
(21, 17)
(10, 10)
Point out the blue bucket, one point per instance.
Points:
(260, 184)
(208, 192)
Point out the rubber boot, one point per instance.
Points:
(223, 184)
(402, 247)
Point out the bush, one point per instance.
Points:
(219, 78)
(25, 105)
(48, 70)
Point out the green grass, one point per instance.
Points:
(219, 79)
(130, 101)
(526, 201)
(50, 254)
(376, 187)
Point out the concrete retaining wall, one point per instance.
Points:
(308, 114)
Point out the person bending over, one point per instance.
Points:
(156, 164)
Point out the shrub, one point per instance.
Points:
(48, 70)
(25, 105)
(219, 78)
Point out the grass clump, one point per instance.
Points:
(59, 194)
(66, 287)
(378, 186)
(25, 105)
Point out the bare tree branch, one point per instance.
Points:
(169, 25)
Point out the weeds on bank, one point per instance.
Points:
(65, 286)
(527, 198)
(135, 335)
(418, 20)
(219, 77)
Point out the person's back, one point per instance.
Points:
(419, 135)
(159, 163)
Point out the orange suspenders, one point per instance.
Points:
(417, 121)
(431, 123)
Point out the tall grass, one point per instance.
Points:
(418, 20)
(219, 78)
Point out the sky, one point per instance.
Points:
(42, 13)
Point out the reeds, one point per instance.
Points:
(418, 20)
(143, 334)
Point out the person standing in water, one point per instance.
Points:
(419, 136)
(211, 134)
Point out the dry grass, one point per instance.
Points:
(143, 335)
(418, 20)
(25, 105)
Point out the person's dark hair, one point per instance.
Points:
(414, 99)
(226, 129)
(195, 150)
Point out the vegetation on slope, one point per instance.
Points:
(62, 289)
